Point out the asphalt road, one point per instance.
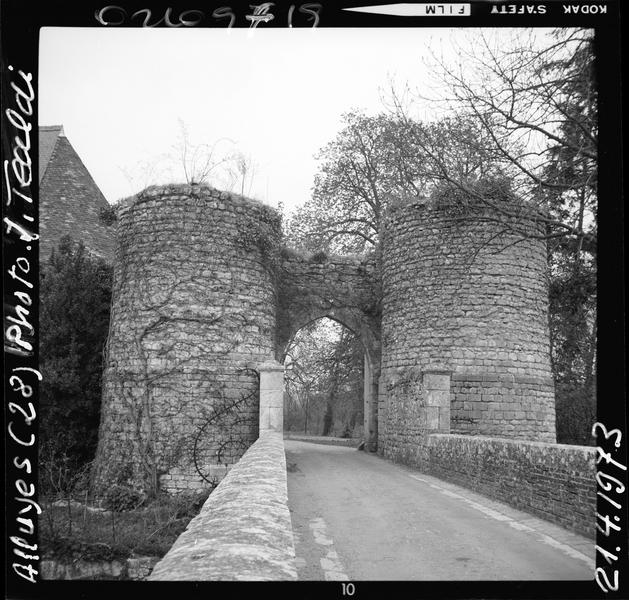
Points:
(359, 517)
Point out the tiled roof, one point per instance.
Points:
(69, 199)
(48, 136)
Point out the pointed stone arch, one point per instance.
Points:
(346, 290)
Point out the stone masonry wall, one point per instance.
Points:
(243, 532)
(344, 288)
(554, 481)
(469, 296)
(455, 330)
(499, 405)
(193, 313)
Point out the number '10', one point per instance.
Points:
(348, 589)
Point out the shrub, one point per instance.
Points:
(75, 293)
(492, 189)
(108, 215)
(121, 498)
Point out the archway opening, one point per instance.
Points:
(324, 381)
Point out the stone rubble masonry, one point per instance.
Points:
(200, 283)
(344, 288)
(556, 482)
(467, 296)
(137, 569)
(456, 337)
(193, 313)
(243, 532)
(455, 330)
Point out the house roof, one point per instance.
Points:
(70, 202)
(48, 136)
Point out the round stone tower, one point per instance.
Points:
(193, 313)
(464, 295)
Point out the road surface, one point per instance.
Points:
(359, 517)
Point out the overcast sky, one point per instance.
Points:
(277, 94)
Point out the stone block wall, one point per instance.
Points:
(193, 312)
(556, 482)
(420, 406)
(467, 295)
(271, 405)
(344, 288)
(500, 405)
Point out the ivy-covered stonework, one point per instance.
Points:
(193, 312)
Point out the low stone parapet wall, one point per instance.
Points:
(556, 482)
(135, 569)
(324, 440)
(243, 532)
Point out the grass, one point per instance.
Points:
(71, 531)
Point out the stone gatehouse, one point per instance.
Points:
(451, 311)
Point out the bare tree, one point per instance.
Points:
(534, 99)
(218, 163)
(324, 378)
(374, 161)
(534, 102)
(358, 172)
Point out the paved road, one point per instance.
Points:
(359, 517)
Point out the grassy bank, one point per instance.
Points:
(72, 530)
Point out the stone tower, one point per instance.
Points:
(464, 295)
(193, 313)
